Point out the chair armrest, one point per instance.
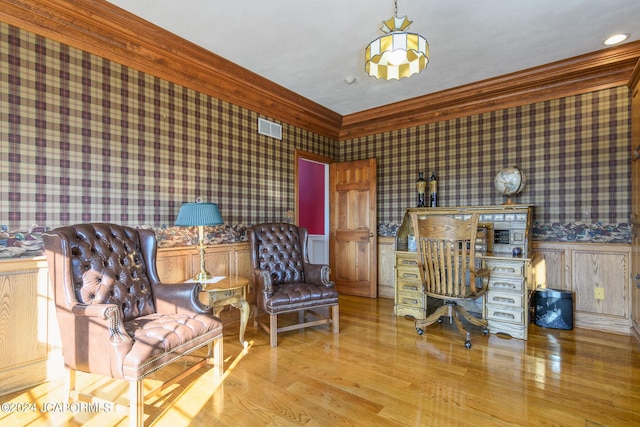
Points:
(483, 272)
(179, 298)
(103, 323)
(109, 312)
(262, 280)
(101, 311)
(317, 274)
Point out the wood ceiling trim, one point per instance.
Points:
(594, 71)
(105, 30)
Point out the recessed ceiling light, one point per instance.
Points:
(615, 39)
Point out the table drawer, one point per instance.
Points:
(411, 300)
(405, 286)
(504, 314)
(506, 268)
(506, 284)
(408, 260)
(506, 299)
(409, 276)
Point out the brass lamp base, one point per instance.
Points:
(203, 275)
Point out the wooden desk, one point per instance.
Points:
(232, 290)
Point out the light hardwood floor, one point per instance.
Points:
(379, 372)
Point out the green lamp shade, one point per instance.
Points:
(192, 214)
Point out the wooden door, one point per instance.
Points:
(635, 199)
(353, 227)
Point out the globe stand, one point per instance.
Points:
(509, 202)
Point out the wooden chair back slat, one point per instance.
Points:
(446, 252)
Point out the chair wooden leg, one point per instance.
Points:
(441, 311)
(458, 323)
(216, 357)
(273, 329)
(472, 319)
(136, 404)
(335, 318)
(69, 384)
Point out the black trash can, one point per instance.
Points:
(553, 308)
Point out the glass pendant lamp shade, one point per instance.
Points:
(398, 53)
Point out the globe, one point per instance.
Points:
(509, 182)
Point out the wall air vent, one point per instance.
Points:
(268, 128)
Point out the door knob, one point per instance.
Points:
(371, 234)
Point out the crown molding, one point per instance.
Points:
(581, 74)
(103, 29)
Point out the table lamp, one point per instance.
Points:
(199, 214)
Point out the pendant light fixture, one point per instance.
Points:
(398, 53)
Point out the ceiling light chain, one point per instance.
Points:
(398, 53)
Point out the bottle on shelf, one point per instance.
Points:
(433, 190)
(421, 187)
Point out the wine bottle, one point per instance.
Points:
(421, 186)
(433, 190)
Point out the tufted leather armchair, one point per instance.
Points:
(116, 318)
(286, 282)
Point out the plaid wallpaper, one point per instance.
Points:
(575, 152)
(87, 139)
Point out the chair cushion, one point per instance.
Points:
(161, 338)
(296, 296)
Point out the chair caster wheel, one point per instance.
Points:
(420, 331)
(467, 344)
(485, 331)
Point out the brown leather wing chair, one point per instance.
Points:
(116, 318)
(286, 282)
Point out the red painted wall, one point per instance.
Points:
(311, 182)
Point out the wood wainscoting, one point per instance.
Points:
(29, 336)
(583, 269)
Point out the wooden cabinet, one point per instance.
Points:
(597, 274)
(410, 299)
(504, 228)
(29, 335)
(507, 298)
(386, 262)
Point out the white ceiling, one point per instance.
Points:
(310, 46)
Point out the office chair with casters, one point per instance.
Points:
(117, 319)
(447, 264)
(286, 282)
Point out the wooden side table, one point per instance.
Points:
(232, 291)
